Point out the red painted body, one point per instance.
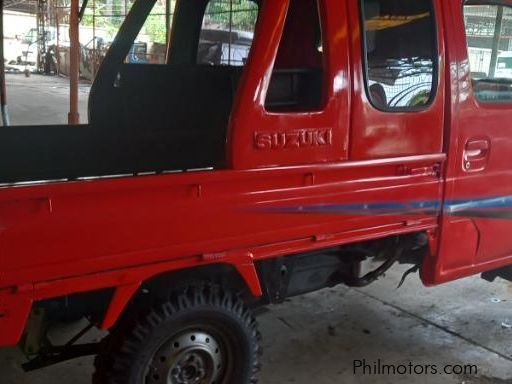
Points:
(62, 238)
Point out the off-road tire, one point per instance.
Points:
(132, 347)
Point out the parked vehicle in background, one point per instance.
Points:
(138, 54)
(92, 42)
(27, 59)
(252, 166)
(504, 65)
(224, 47)
(481, 61)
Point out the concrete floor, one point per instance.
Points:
(316, 338)
(42, 99)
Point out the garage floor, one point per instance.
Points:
(316, 338)
(42, 99)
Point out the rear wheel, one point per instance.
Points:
(202, 336)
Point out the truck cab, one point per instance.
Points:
(255, 165)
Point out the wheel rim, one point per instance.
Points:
(188, 358)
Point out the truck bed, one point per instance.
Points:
(36, 153)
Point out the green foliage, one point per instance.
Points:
(244, 14)
(110, 14)
(155, 26)
(107, 14)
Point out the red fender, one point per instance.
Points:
(124, 293)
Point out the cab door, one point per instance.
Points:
(477, 222)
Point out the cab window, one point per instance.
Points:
(489, 39)
(297, 82)
(399, 53)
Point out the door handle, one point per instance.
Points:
(476, 154)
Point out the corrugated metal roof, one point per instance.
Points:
(27, 6)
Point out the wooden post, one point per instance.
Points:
(74, 62)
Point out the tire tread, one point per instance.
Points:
(123, 344)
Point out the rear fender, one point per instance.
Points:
(123, 294)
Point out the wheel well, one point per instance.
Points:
(224, 275)
(159, 288)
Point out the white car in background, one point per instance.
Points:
(504, 65)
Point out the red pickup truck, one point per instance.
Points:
(354, 130)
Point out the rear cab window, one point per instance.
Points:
(297, 82)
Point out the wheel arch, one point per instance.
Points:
(241, 278)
